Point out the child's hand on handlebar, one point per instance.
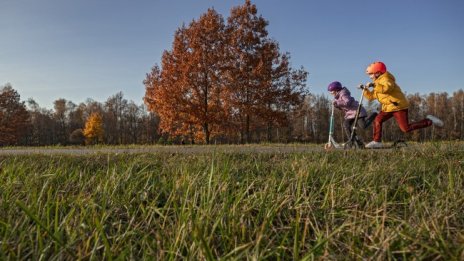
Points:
(369, 85)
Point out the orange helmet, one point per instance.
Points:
(376, 67)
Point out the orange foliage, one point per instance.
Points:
(93, 130)
(186, 92)
(222, 80)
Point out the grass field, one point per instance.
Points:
(388, 204)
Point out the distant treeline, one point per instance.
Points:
(124, 122)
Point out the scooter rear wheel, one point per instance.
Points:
(352, 145)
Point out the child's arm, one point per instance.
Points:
(368, 94)
(344, 100)
(384, 86)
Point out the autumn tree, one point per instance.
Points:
(246, 33)
(284, 91)
(205, 67)
(186, 92)
(93, 131)
(159, 100)
(262, 87)
(13, 116)
(219, 78)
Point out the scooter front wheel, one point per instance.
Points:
(328, 146)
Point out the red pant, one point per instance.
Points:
(401, 118)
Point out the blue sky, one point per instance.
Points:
(79, 49)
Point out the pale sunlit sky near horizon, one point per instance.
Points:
(79, 49)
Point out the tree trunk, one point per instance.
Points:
(269, 131)
(247, 128)
(206, 131)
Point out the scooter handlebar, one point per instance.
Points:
(368, 85)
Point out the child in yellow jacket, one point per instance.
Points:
(394, 104)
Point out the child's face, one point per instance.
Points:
(374, 76)
(333, 93)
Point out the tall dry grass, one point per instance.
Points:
(385, 205)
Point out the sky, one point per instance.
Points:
(79, 49)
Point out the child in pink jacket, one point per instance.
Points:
(345, 102)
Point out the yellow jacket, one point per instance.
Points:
(388, 93)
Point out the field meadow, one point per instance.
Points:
(402, 204)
